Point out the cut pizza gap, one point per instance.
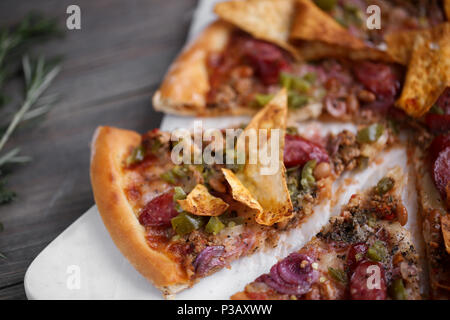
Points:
(140, 194)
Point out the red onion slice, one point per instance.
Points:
(209, 258)
(335, 107)
(293, 275)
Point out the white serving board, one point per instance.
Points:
(83, 262)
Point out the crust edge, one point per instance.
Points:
(107, 150)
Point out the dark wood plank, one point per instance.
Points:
(111, 69)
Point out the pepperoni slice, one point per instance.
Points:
(382, 79)
(438, 123)
(298, 151)
(159, 211)
(368, 282)
(441, 171)
(267, 59)
(356, 253)
(444, 101)
(439, 143)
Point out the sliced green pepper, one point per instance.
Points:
(384, 185)
(214, 225)
(397, 290)
(262, 99)
(285, 80)
(155, 146)
(232, 222)
(338, 274)
(308, 181)
(310, 77)
(370, 134)
(185, 223)
(169, 177)
(180, 171)
(179, 194)
(326, 5)
(363, 162)
(300, 84)
(377, 252)
(292, 131)
(292, 82)
(137, 155)
(296, 100)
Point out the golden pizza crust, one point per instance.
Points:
(186, 84)
(109, 147)
(430, 206)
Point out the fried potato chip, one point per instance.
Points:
(313, 24)
(267, 181)
(445, 227)
(240, 192)
(428, 72)
(201, 203)
(268, 20)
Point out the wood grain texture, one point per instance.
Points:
(111, 68)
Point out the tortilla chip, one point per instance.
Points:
(445, 226)
(400, 44)
(268, 20)
(240, 192)
(313, 24)
(317, 50)
(270, 190)
(201, 203)
(428, 72)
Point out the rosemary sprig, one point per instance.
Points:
(38, 76)
(14, 41)
(37, 79)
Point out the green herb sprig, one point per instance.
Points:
(38, 74)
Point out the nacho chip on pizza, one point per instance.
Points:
(428, 72)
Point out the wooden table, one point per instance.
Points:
(111, 68)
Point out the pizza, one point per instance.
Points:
(179, 218)
(362, 254)
(177, 223)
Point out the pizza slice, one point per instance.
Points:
(431, 158)
(177, 220)
(227, 71)
(363, 254)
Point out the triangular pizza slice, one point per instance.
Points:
(363, 254)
